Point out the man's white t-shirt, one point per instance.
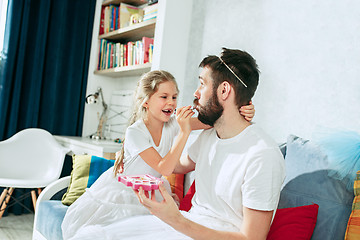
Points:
(138, 139)
(246, 170)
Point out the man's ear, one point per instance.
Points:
(224, 90)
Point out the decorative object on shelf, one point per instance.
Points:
(92, 99)
(152, 1)
(125, 13)
(135, 18)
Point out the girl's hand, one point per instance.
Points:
(248, 111)
(183, 116)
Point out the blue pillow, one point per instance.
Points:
(307, 182)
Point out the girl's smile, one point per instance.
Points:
(162, 103)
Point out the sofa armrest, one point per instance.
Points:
(48, 192)
(53, 188)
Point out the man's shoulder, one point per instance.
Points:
(206, 133)
(261, 145)
(257, 135)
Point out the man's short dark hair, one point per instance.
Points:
(242, 64)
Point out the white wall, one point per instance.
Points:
(308, 53)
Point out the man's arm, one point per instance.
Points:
(185, 165)
(255, 226)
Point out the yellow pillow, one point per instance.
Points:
(86, 169)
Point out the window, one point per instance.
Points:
(3, 11)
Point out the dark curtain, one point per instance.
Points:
(44, 66)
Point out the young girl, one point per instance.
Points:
(149, 148)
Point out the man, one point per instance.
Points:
(239, 170)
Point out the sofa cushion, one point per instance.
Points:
(186, 204)
(294, 223)
(177, 184)
(50, 216)
(307, 182)
(353, 227)
(86, 169)
(289, 223)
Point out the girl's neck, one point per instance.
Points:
(153, 124)
(155, 129)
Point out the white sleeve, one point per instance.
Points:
(263, 180)
(194, 149)
(136, 141)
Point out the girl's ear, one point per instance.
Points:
(145, 105)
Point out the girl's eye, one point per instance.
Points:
(163, 96)
(174, 98)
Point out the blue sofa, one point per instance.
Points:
(306, 182)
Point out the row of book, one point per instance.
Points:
(150, 12)
(123, 15)
(112, 55)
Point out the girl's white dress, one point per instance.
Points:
(107, 200)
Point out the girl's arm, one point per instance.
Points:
(166, 165)
(247, 111)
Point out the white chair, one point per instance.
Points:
(32, 159)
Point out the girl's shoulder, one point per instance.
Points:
(137, 127)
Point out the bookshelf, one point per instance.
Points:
(131, 2)
(133, 32)
(125, 71)
(170, 31)
(123, 35)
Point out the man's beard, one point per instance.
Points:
(211, 112)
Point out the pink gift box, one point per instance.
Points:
(147, 182)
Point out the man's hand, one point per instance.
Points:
(166, 210)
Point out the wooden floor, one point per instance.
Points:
(14, 227)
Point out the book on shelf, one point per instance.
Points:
(114, 17)
(146, 47)
(151, 50)
(115, 54)
(150, 12)
(102, 22)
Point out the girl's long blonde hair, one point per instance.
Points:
(146, 87)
